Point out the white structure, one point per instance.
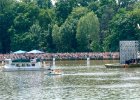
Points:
(32, 64)
(128, 50)
(54, 62)
(88, 61)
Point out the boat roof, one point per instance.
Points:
(21, 60)
(25, 60)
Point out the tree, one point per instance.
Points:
(29, 40)
(123, 27)
(32, 24)
(44, 18)
(62, 9)
(5, 5)
(56, 37)
(88, 32)
(67, 30)
(84, 3)
(6, 17)
(105, 12)
(26, 1)
(94, 5)
(46, 42)
(25, 16)
(128, 4)
(44, 3)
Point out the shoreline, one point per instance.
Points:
(63, 56)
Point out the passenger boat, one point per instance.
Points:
(23, 65)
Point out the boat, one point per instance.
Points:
(23, 65)
(132, 65)
(54, 72)
(117, 65)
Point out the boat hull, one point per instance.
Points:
(122, 66)
(113, 66)
(23, 65)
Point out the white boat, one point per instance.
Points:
(23, 65)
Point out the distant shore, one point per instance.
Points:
(64, 56)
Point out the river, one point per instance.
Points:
(80, 81)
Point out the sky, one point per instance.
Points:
(53, 1)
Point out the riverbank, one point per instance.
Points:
(64, 56)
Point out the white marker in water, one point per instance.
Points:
(53, 61)
(88, 61)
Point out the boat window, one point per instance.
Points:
(17, 65)
(33, 64)
(28, 65)
(23, 65)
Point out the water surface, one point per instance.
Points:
(79, 82)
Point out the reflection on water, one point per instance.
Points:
(79, 82)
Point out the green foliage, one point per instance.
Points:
(126, 3)
(44, 18)
(88, 32)
(62, 9)
(94, 6)
(56, 37)
(6, 17)
(67, 32)
(44, 3)
(124, 27)
(67, 26)
(25, 16)
(5, 5)
(26, 40)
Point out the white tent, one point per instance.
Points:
(19, 52)
(35, 51)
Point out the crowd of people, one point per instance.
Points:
(62, 56)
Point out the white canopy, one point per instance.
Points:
(35, 51)
(19, 52)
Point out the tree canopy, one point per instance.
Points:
(67, 25)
